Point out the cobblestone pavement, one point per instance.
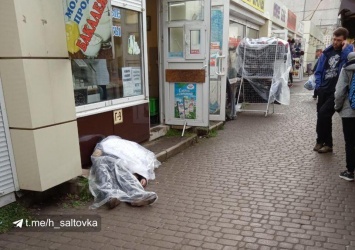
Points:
(257, 185)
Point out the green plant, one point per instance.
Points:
(80, 199)
(72, 200)
(84, 192)
(176, 132)
(212, 133)
(173, 132)
(10, 213)
(77, 203)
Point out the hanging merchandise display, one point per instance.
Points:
(297, 57)
(264, 64)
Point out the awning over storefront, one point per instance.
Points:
(347, 12)
(244, 14)
(276, 27)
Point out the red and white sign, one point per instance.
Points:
(291, 20)
(88, 26)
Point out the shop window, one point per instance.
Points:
(236, 34)
(112, 65)
(252, 33)
(176, 42)
(195, 44)
(186, 11)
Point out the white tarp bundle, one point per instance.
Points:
(265, 63)
(115, 161)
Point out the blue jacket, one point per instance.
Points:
(320, 72)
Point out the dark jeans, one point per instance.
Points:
(291, 77)
(315, 93)
(325, 110)
(349, 137)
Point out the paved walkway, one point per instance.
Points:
(257, 185)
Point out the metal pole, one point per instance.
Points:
(183, 130)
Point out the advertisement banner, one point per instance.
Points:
(88, 25)
(291, 20)
(257, 4)
(279, 13)
(185, 100)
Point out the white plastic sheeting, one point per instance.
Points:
(115, 160)
(265, 63)
(135, 158)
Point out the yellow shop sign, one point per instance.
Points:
(257, 4)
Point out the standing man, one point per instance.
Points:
(342, 105)
(318, 54)
(326, 76)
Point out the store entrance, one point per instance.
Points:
(185, 32)
(153, 66)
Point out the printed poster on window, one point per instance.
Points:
(185, 100)
(216, 35)
(132, 81)
(88, 26)
(215, 50)
(279, 13)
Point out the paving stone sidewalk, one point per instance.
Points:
(257, 185)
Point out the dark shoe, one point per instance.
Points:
(317, 147)
(113, 202)
(346, 175)
(325, 149)
(142, 203)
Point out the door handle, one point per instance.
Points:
(219, 64)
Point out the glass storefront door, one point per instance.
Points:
(218, 59)
(185, 29)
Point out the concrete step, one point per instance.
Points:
(166, 147)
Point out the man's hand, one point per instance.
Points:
(345, 44)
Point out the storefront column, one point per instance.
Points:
(38, 92)
(265, 30)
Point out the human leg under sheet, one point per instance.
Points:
(110, 179)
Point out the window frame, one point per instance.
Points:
(243, 25)
(123, 102)
(249, 28)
